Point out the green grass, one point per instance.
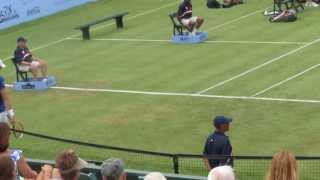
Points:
(174, 124)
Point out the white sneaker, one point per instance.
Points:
(45, 80)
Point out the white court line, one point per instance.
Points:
(236, 20)
(154, 93)
(40, 47)
(286, 80)
(259, 66)
(210, 42)
(98, 27)
(186, 95)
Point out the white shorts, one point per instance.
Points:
(192, 20)
(26, 68)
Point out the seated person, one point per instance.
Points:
(213, 4)
(184, 15)
(27, 62)
(230, 3)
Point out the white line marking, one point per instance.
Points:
(129, 18)
(236, 20)
(154, 93)
(167, 40)
(259, 66)
(186, 95)
(41, 47)
(286, 80)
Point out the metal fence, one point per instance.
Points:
(246, 167)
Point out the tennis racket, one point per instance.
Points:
(17, 129)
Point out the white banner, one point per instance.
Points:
(13, 12)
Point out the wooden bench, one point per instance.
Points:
(85, 28)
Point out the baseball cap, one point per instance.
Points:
(112, 168)
(2, 65)
(219, 120)
(21, 39)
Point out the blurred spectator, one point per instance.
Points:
(218, 144)
(113, 169)
(283, 167)
(7, 170)
(155, 176)
(311, 3)
(221, 173)
(213, 4)
(69, 165)
(46, 173)
(21, 166)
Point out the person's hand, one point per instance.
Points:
(56, 174)
(47, 171)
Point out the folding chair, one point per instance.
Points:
(21, 75)
(177, 26)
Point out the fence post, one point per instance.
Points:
(175, 160)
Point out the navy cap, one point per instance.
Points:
(21, 39)
(219, 120)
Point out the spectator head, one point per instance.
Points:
(221, 173)
(155, 176)
(222, 123)
(69, 165)
(283, 167)
(4, 136)
(113, 169)
(7, 168)
(22, 42)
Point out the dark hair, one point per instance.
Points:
(4, 136)
(7, 168)
(65, 161)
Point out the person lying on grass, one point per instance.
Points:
(185, 16)
(27, 62)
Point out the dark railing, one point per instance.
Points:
(246, 167)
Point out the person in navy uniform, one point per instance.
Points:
(6, 111)
(185, 16)
(219, 144)
(27, 62)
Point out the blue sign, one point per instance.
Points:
(13, 12)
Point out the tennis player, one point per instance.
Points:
(6, 112)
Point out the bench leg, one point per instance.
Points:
(85, 33)
(119, 22)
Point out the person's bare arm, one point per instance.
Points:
(46, 173)
(207, 164)
(25, 170)
(8, 103)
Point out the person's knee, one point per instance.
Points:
(200, 20)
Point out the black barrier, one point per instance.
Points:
(246, 167)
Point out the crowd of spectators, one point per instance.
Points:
(68, 166)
